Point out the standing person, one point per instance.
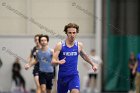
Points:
(36, 66)
(66, 55)
(91, 84)
(17, 77)
(131, 64)
(137, 69)
(46, 69)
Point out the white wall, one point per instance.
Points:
(22, 45)
(53, 14)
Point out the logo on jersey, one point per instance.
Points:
(44, 59)
(70, 53)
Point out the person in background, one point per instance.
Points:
(46, 69)
(131, 64)
(36, 66)
(91, 82)
(17, 77)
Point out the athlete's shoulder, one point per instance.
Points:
(33, 49)
(80, 44)
(58, 46)
(59, 43)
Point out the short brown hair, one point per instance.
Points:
(71, 25)
(46, 36)
(37, 35)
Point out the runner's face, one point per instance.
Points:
(37, 40)
(71, 34)
(44, 41)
